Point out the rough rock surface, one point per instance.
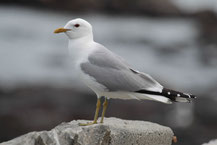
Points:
(212, 142)
(114, 131)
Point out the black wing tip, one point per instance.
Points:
(193, 96)
(174, 96)
(190, 96)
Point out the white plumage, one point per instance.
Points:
(109, 75)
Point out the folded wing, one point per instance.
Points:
(115, 74)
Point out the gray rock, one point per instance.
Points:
(212, 142)
(114, 131)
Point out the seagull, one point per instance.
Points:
(109, 75)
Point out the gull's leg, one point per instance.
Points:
(105, 105)
(96, 114)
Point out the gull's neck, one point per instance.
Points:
(80, 48)
(78, 42)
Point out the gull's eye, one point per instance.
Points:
(76, 25)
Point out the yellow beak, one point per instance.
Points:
(60, 30)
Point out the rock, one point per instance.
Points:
(212, 142)
(114, 131)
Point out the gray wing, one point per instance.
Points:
(111, 71)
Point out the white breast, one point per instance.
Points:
(79, 54)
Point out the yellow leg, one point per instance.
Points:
(98, 104)
(105, 105)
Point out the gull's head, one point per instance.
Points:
(76, 28)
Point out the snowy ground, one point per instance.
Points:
(31, 54)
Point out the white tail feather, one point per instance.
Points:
(154, 97)
(180, 99)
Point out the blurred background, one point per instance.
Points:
(173, 40)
